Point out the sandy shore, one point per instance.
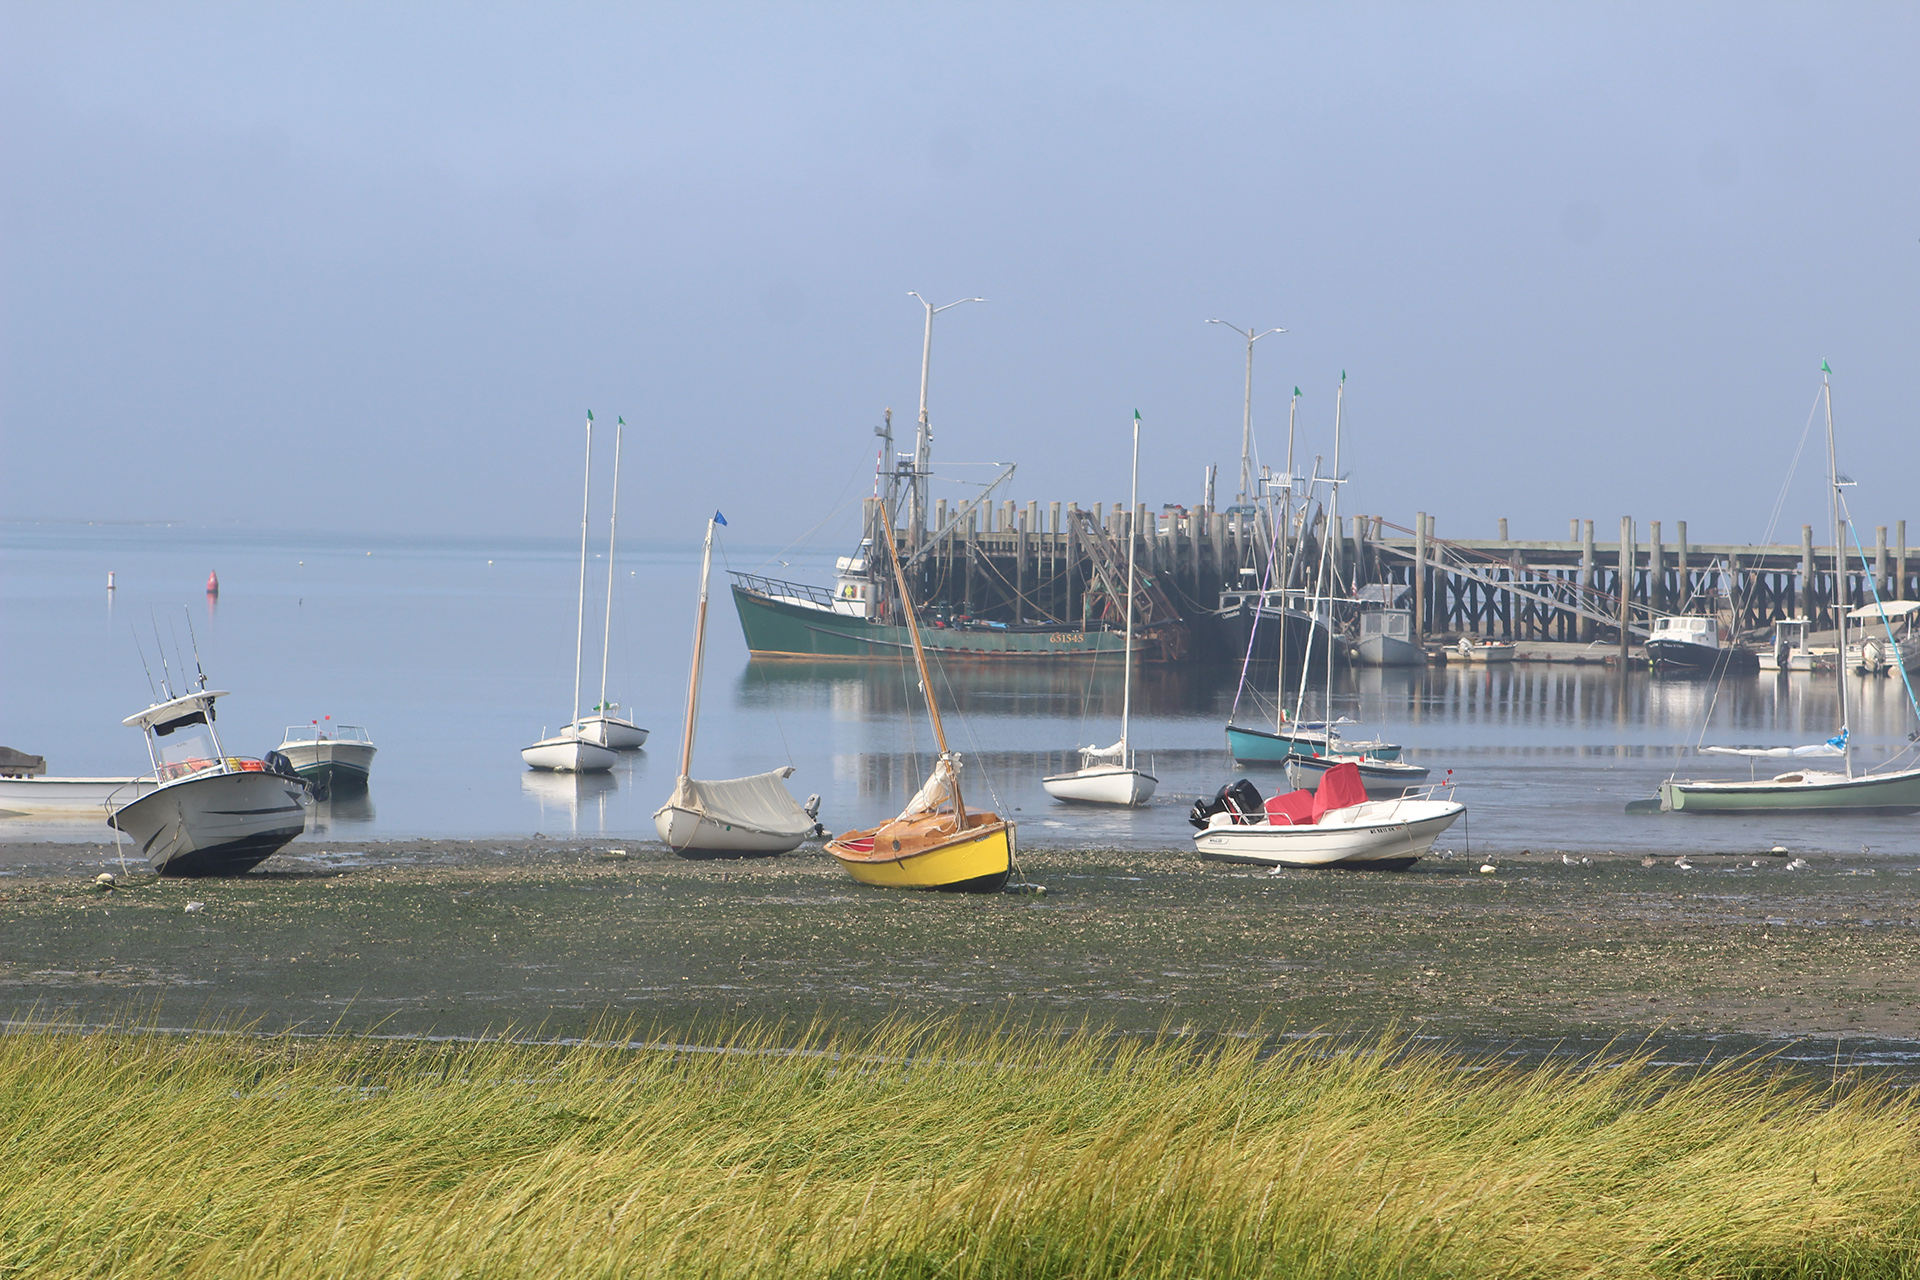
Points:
(458, 937)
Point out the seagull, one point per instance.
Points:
(1682, 863)
(1487, 868)
(1569, 860)
(1798, 864)
(1587, 862)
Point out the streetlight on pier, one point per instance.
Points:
(923, 436)
(1246, 421)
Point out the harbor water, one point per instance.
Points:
(455, 652)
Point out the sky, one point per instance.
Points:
(325, 266)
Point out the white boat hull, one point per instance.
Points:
(611, 732)
(687, 832)
(1389, 651)
(568, 754)
(78, 797)
(1383, 779)
(1102, 784)
(214, 823)
(1379, 835)
(343, 764)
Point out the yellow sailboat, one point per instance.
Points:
(935, 843)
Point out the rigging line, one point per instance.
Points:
(1253, 628)
(966, 721)
(760, 670)
(839, 505)
(1873, 584)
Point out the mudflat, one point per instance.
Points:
(557, 937)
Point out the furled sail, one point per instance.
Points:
(1834, 746)
(937, 792)
(758, 803)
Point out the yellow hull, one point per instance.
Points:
(977, 860)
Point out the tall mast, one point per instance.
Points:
(613, 530)
(699, 655)
(580, 625)
(1840, 600)
(1133, 535)
(920, 659)
(1286, 572)
(923, 434)
(1329, 559)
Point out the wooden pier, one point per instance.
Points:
(1058, 561)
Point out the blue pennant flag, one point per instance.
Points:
(718, 518)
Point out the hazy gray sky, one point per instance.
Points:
(306, 264)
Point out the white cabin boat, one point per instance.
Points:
(1790, 650)
(336, 758)
(1386, 639)
(1888, 642)
(201, 811)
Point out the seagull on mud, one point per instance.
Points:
(1682, 863)
(1798, 864)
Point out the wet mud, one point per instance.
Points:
(459, 938)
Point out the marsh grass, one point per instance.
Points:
(929, 1150)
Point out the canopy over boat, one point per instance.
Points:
(1891, 608)
(162, 716)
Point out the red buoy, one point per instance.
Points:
(213, 583)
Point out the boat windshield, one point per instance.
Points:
(187, 749)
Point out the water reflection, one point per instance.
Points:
(348, 810)
(580, 800)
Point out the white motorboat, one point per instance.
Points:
(604, 727)
(336, 758)
(201, 811)
(735, 817)
(1790, 650)
(1335, 826)
(1484, 651)
(1889, 641)
(1109, 775)
(1386, 639)
(57, 797)
(571, 750)
(1384, 779)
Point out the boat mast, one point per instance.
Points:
(1332, 540)
(1840, 601)
(580, 625)
(1133, 535)
(699, 655)
(920, 659)
(613, 527)
(1286, 572)
(923, 434)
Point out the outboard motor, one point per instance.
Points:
(1241, 799)
(277, 762)
(812, 809)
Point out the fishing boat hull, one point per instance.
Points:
(697, 835)
(57, 797)
(782, 628)
(611, 732)
(1263, 746)
(1802, 791)
(568, 754)
(214, 824)
(1380, 835)
(1685, 656)
(1102, 784)
(1383, 779)
(924, 852)
(336, 767)
(1388, 651)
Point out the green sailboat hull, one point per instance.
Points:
(1868, 793)
(783, 629)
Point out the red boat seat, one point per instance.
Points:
(1339, 787)
(1294, 809)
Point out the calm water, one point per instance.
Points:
(454, 653)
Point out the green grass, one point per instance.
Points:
(930, 1151)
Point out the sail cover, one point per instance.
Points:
(759, 803)
(1115, 754)
(1834, 746)
(937, 792)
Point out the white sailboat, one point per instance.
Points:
(567, 751)
(735, 817)
(1807, 790)
(1110, 775)
(603, 726)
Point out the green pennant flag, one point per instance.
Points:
(1296, 393)
(1136, 415)
(1823, 367)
